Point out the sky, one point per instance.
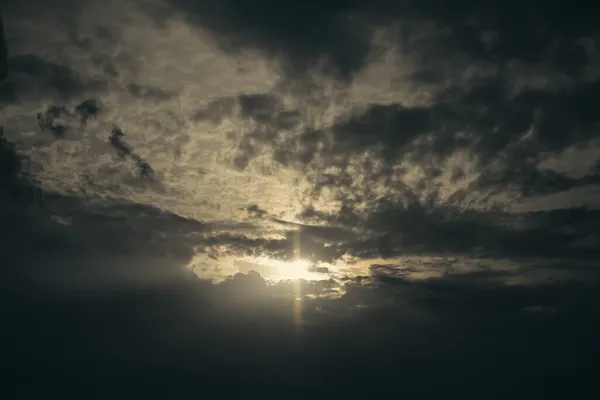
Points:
(268, 199)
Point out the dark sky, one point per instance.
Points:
(270, 199)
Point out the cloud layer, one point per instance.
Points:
(287, 196)
(433, 138)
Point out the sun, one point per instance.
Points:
(282, 270)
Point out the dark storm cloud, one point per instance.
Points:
(17, 189)
(417, 230)
(300, 34)
(499, 122)
(10, 159)
(116, 140)
(392, 126)
(87, 109)
(495, 31)
(93, 251)
(50, 120)
(33, 77)
(3, 52)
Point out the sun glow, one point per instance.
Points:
(279, 270)
(296, 271)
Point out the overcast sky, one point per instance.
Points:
(322, 200)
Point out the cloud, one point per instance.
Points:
(473, 139)
(110, 291)
(409, 149)
(380, 172)
(341, 31)
(301, 36)
(11, 162)
(125, 151)
(502, 95)
(403, 169)
(3, 52)
(180, 331)
(31, 76)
